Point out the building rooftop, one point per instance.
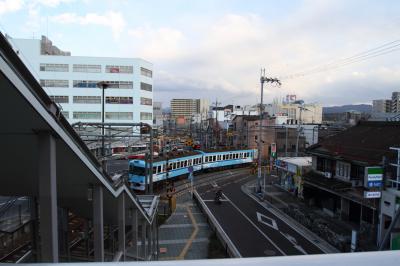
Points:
(299, 161)
(367, 142)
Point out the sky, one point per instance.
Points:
(215, 49)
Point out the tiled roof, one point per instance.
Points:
(366, 142)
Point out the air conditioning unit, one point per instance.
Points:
(328, 174)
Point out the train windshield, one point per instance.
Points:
(136, 170)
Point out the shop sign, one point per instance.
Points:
(374, 183)
(373, 176)
(372, 194)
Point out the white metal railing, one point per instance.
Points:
(381, 258)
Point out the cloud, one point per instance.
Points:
(53, 3)
(9, 6)
(161, 43)
(111, 19)
(223, 56)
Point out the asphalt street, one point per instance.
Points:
(253, 229)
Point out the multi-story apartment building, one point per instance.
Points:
(381, 106)
(395, 102)
(72, 82)
(184, 109)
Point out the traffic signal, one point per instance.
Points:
(273, 150)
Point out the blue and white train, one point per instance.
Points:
(179, 166)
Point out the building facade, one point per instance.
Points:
(395, 102)
(72, 82)
(381, 106)
(157, 114)
(297, 112)
(245, 134)
(349, 176)
(184, 109)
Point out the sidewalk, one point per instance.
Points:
(331, 235)
(186, 233)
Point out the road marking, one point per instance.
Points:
(192, 237)
(294, 242)
(277, 214)
(255, 226)
(214, 200)
(270, 222)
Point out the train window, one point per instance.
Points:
(135, 170)
(185, 163)
(231, 156)
(159, 169)
(214, 158)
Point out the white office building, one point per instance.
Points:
(71, 81)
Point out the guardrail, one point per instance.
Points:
(230, 248)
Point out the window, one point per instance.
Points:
(146, 116)
(206, 159)
(87, 99)
(146, 87)
(343, 169)
(214, 158)
(111, 84)
(146, 101)
(87, 115)
(54, 83)
(85, 83)
(59, 99)
(119, 100)
(65, 114)
(119, 69)
(146, 72)
(54, 67)
(119, 115)
(86, 68)
(184, 163)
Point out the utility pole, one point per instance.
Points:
(299, 128)
(216, 103)
(263, 79)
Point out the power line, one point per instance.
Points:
(386, 48)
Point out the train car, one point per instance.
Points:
(178, 165)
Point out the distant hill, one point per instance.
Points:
(363, 108)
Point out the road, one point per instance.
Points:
(253, 229)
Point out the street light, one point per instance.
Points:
(102, 85)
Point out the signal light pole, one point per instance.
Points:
(263, 79)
